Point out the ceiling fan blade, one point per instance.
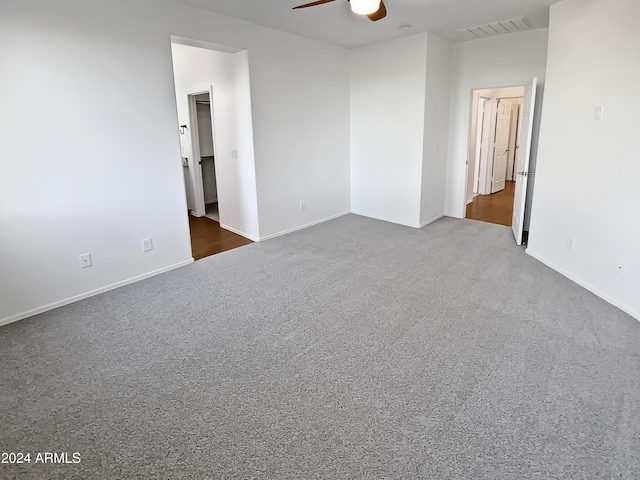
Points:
(313, 4)
(380, 14)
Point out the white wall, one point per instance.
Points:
(387, 129)
(71, 182)
(500, 61)
(196, 70)
(300, 114)
(588, 171)
(84, 167)
(436, 129)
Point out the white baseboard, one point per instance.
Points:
(310, 224)
(388, 220)
(473, 197)
(67, 301)
(404, 224)
(625, 308)
(437, 217)
(239, 232)
(451, 214)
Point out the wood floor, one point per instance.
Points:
(494, 208)
(208, 238)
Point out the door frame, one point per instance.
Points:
(501, 105)
(480, 135)
(514, 139)
(524, 154)
(497, 92)
(486, 159)
(199, 208)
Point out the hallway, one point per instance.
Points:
(208, 238)
(494, 208)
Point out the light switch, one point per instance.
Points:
(597, 115)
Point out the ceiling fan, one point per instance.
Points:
(373, 9)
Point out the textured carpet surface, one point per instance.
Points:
(352, 349)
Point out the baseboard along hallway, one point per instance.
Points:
(209, 238)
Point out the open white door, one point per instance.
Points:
(499, 171)
(514, 131)
(195, 162)
(522, 162)
(195, 165)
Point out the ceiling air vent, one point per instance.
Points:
(496, 28)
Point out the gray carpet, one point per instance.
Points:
(352, 349)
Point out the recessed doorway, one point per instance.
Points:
(500, 137)
(216, 140)
(496, 141)
(208, 238)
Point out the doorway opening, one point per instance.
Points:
(491, 168)
(207, 236)
(202, 170)
(207, 154)
(499, 148)
(216, 140)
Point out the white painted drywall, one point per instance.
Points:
(196, 70)
(300, 104)
(84, 167)
(240, 167)
(72, 182)
(500, 61)
(387, 129)
(436, 129)
(588, 170)
(300, 116)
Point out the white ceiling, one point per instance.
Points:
(334, 22)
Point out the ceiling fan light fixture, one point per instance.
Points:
(364, 7)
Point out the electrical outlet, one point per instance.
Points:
(234, 153)
(303, 206)
(571, 242)
(85, 260)
(147, 245)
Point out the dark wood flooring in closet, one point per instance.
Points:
(494, 208)
(208, 238)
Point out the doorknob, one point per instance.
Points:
(525, 174)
